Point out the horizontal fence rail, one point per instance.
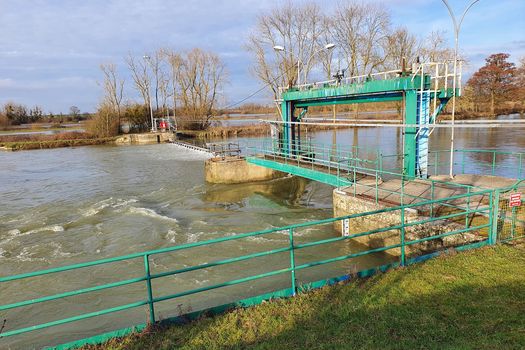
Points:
(402, 228)
(473, 161)
(349, 165)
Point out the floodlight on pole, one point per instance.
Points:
(153, 126)
(457, 28)
(280, 48)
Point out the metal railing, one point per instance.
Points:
(226, 149)
(483, 162)
(441, 74)
(349, 165)
(402, 244)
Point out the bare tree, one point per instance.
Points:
(155, 64)
(361, 31)
(347, 21)
(434, 48)
(174, 63)
(141, 77)
(104, 122)
(326, 57)
(373, 38)
(295, 27)
(201, 77)
(402, 46)
(113, 88)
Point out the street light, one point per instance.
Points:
(153, 126)
(281, 48)
(457, 28)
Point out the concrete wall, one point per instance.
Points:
(144, 139)
(347, 204)
(232, 170)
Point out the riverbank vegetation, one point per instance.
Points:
(40, 141)
(469, 300)
(13, 114)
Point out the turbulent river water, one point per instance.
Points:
(65, 206)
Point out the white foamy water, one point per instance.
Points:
(150, 213)
(171, 236)
(107, 203)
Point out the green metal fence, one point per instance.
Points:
(396, 228)
(472, 161)
(347, 166)
(510, 222)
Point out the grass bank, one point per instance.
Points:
(471, 300)
(67, 139)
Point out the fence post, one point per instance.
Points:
(463, 163)
(493, 162)
(150, 293)
(292, 261)
(402, 262)
(381, 164)
(432, 198)
(402, 189)
(494, 213)
(436, 160)
(377, 189)
(468, 208)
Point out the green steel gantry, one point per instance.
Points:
(413, 89)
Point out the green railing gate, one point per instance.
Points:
(510, 222)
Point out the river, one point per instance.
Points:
(70, 205)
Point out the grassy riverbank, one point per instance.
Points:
(471, 300)
(67, 139)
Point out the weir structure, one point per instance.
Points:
(423, 92)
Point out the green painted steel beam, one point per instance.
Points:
(365, 88)
(410, 144)
(319, 176)
(353, 99)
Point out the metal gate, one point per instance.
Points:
(510, 218)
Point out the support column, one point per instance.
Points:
(423, 118)
(410, 156)
(287, 136)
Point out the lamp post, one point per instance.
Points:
(280, 48)
(457, 28)
(153, 126)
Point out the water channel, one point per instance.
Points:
(70, 205)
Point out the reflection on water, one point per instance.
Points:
(389, 140)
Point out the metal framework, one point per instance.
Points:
(424, 92)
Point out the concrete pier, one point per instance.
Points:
(145, 138)
(232, 170)
(361, 198)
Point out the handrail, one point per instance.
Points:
(290, 248)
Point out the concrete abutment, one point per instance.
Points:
(345, 203)
(233, 170)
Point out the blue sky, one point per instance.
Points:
(50, 51)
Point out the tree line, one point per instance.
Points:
(12, 114)
(187, 85)
(362, 36)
